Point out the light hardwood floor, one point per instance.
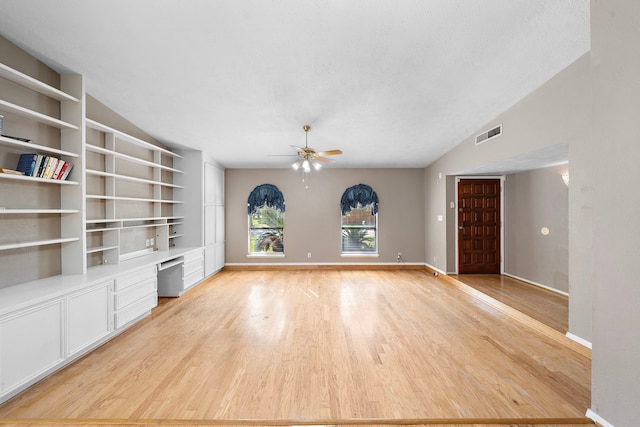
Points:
(322, 347)
(546, 306)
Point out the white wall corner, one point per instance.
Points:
(579, 340)
(598, 419)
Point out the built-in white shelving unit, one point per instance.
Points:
(126, 176)
(34, 212)
(81, 257)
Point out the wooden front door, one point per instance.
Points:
(479, 226)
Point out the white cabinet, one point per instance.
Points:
(31, 342)
(89, 317)
(136, 293)
(203, 209)
(193, 268)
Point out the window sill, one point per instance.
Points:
(271, 255)
(359, 255)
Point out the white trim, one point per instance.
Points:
(318, 263)
(579, 340)
(266, 255)
(540, 285)
(502, 179)
(435, 269)
(358, 255)
(598, 419)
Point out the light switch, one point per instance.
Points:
(440, 218)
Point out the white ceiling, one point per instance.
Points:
(393, 83)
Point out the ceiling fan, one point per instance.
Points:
(308, 157)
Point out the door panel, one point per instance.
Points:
(479, 226)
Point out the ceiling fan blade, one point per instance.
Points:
(282, 155)
(299, 149)
(323, 159)
(329, 153)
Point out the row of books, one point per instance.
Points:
(40, 166)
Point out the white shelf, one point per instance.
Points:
(129, 158)
(99, 230)
(131, 178)
(101, 249)
(37, 211)
(33, 84)
(25, 147)
(130, 199)
(34, 115)
(114, 220)
(123, 136)
(34, 179)
(18, 245)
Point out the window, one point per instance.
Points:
(359, 206)
(266, 220)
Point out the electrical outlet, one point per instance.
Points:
(309, 255)
(399, 257)
(147, 242)
(153, 241)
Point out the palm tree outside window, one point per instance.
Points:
(266, 220)
(359, 207)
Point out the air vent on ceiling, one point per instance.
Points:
(485, 136)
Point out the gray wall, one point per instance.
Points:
(553, 118)
(533, 200)
(615, 33)
(312, 217)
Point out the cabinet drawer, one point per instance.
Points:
(133, 293)
(193, 278)
(193, 256)
(191, 267)
(132, 278)
(135, 309)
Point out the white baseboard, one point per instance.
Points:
(435, 268)
(540, 285)
(579, 340)
(598, 419)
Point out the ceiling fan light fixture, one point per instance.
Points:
(316, 165)
(305, 166)
(296, 165)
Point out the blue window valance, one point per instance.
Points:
(265, 194)
(362, 194)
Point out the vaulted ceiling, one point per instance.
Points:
(390, 83)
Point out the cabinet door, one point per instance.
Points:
(31, 342)
(209, 260)
(210, 224)
(210, 186)
(219, 256)
(219, 217)
(89, 316)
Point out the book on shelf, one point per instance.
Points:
(36, 170)
(10, 171)
(27, 163)
(66, 171)
(17, 138)
(51, 165)
(59, 166)
(41, 166)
